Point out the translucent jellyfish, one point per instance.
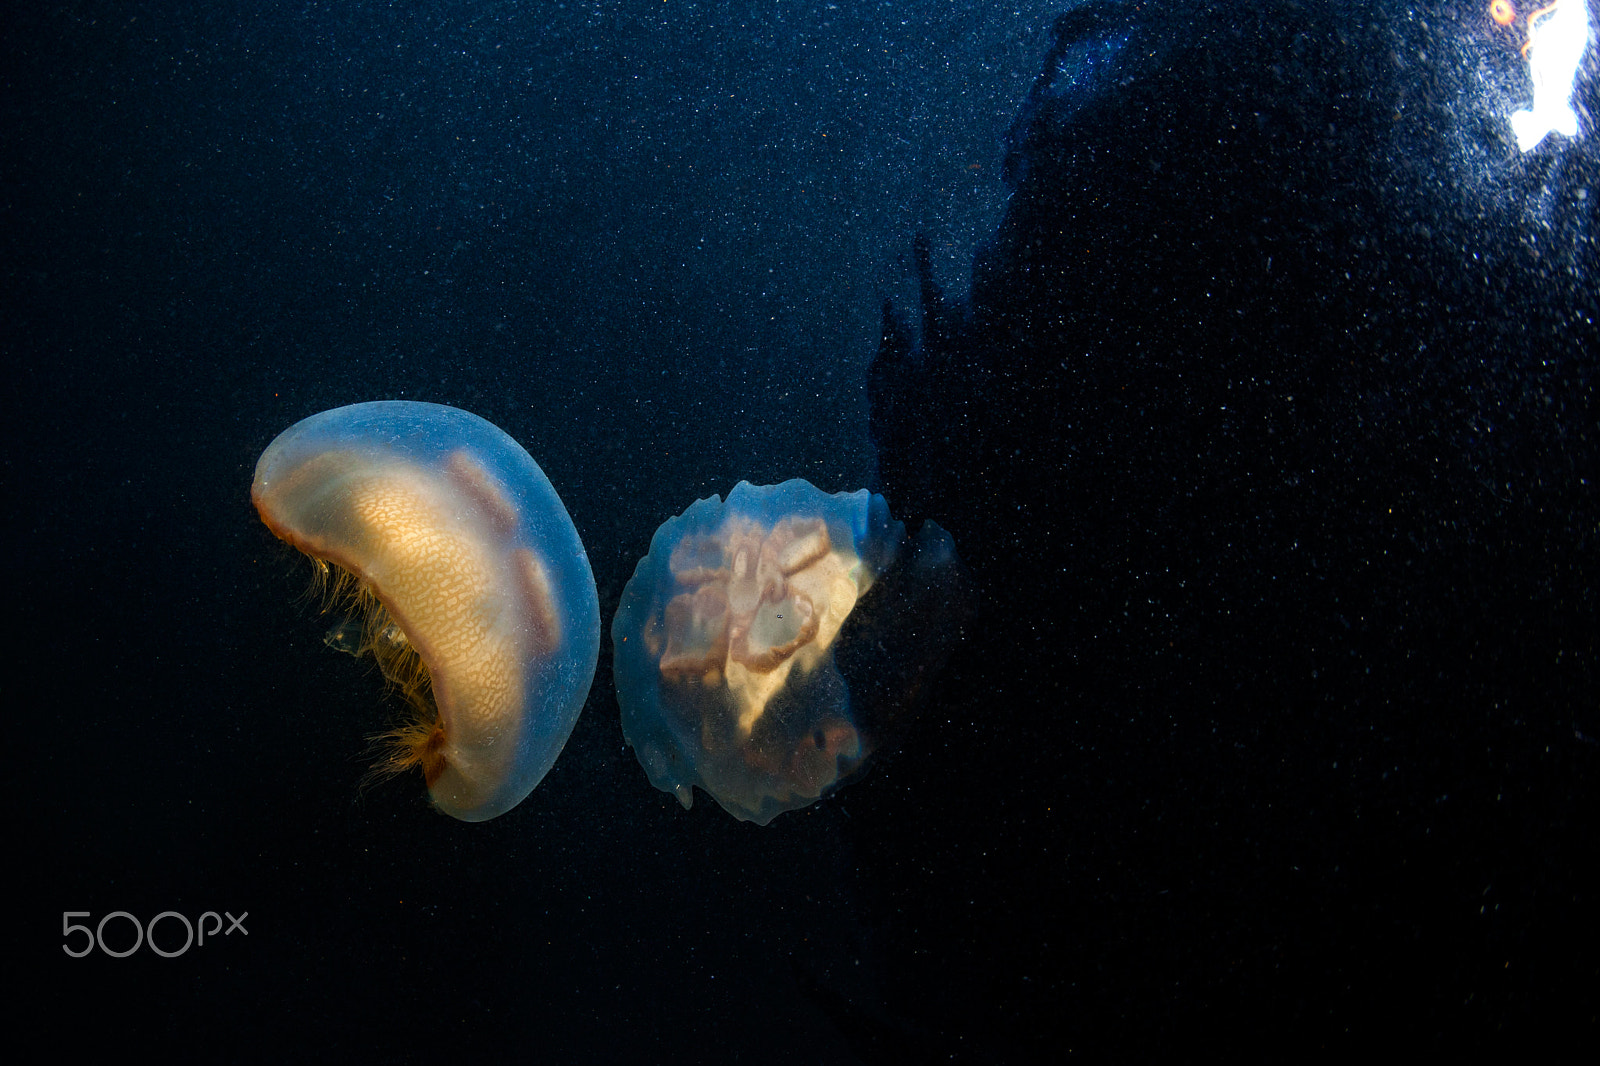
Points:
(476, 596)
(1558, 34)
(764, 646)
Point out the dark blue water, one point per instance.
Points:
(652, 242)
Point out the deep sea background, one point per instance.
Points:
(651, 241)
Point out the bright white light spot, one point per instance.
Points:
(1557, 37)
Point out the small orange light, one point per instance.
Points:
(1502, 12)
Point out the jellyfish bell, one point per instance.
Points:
(767, 646)
(475, 593)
